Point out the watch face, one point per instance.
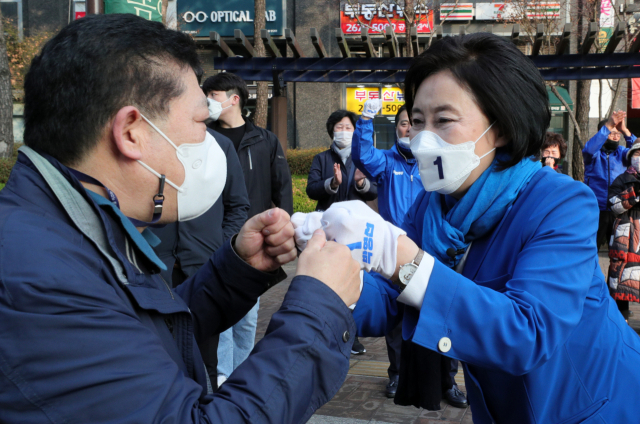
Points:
(406, 272)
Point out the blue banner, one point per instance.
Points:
(199, 17)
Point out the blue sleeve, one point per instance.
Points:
(80, 352)
(377, 312)
(630, 140)
(371, 161)
(519, 327)
(594, 145)
(297, 367)
(414, 218)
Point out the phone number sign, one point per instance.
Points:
(392, 99)
(377, 17)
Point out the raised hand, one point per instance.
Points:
(266, 240)
(337, 176)
(332, 264)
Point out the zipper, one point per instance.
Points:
(250, 163)
(168, 288)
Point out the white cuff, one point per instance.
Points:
(413, 294)
(352, 307)
(365, 188)
(327, 186)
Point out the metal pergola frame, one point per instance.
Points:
(388, 70)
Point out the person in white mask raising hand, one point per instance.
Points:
(333, 176)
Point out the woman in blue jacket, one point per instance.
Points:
(499, 267)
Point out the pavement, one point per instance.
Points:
(361, 399)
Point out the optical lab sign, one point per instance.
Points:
(199, 17)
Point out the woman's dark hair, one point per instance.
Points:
(336, 117)
(229, 83)
(553, 139)
(94, 67)
(402, 108)
(505, 84)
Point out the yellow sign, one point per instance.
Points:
(392, 100)
(356, 96)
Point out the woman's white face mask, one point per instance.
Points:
(444, 167)
(342, 138)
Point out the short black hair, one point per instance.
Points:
(94, 67)
(601, 124)
(554, 139)
(338, 116)
(229, 83)
(505, 84)
(402, 108)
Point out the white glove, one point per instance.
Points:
(371, 108)
(304, 225)
(372, 240)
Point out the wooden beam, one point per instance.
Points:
(317, 43)
(538, 40)
(615, 39)
(515, 33)
(391, 41)
(269, 45)
(366, 42)
(245, 45)
(342, 43)
(565, 40)
(414, 41)
(219, 45)
(589, 38)
(293, 43)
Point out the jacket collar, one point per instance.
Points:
(251, 136)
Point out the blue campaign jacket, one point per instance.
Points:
(89, 332)
(602, 167)
(540, 338)
(397, 177)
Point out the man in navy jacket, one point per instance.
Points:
(186, 246)
(90, 331)
(603, 162)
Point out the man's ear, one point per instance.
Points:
(129, 132)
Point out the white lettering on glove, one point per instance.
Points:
(371, 108)
(373, 241)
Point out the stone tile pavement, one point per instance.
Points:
(361, 399)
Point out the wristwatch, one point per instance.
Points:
(407, 270)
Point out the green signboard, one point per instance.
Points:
(199, 17)
(148, 9)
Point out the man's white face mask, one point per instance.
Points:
(215, 108)
(205, 175)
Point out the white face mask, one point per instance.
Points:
(403, 141)
(635, 162)
(215, 108)
(444, 167)
(205, 174)
(342, 138)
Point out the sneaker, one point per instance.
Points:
(455, 397)
(392, 387)
(357, 348)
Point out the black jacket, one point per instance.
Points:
(266, 171)
(193, 242)
(322, 169)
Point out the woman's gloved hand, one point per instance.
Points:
(373, 241)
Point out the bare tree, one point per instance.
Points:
(165, 5)
(262, 95)
(6, 99)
